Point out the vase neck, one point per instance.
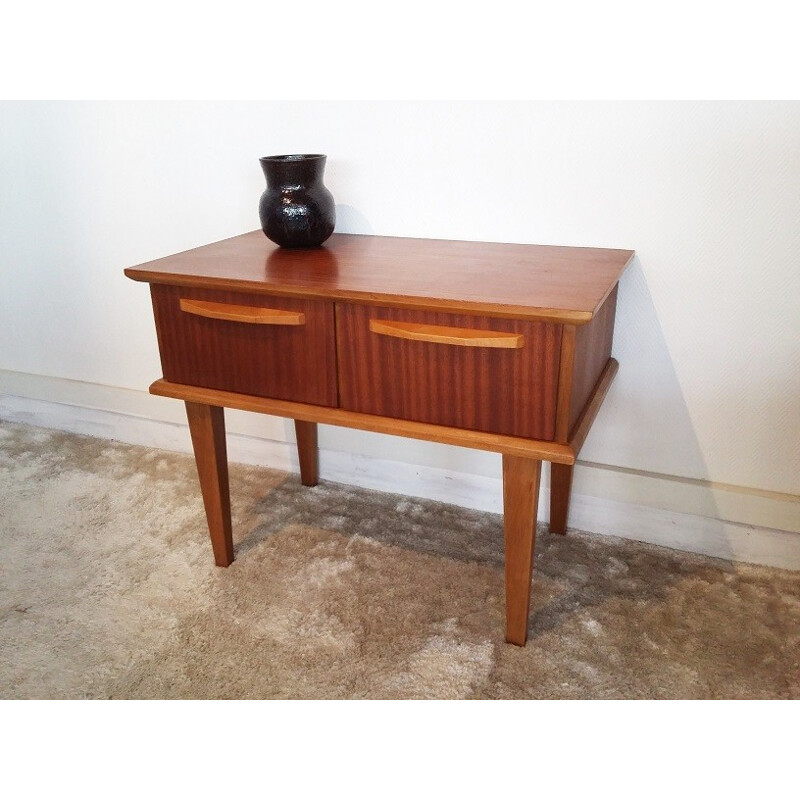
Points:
(289, 171)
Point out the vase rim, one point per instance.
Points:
(293, 157)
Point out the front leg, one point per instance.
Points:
(520, 500)
(207, 426)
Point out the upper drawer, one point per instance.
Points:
(248, 343)
(479, 373)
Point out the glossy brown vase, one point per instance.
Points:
(296, 209)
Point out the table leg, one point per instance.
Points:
(307, 451)
(560, 489)
(520, 499)
(207, 426)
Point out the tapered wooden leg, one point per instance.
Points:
(520, 499)
(207, 425)
(307, 452)
(560, 489)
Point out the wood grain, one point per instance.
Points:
(440, 334)
(248, 314)
(513, 445)
(592, 350)
(565, 374)
(560, 284)
(520, 501)
(207, 427)
(295, 362)
(307, 451)
(506, 391)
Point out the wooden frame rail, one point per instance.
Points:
(478, 440)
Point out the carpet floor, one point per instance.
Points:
(108, 590)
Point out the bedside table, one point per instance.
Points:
(499, 347)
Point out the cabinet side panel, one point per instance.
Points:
(592, 350)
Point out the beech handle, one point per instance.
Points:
(234, 313)
(464, 337)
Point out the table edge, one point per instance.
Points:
(421, 303)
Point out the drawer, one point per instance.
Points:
(478, 373)
(248, 343)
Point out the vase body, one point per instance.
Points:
(296, 210)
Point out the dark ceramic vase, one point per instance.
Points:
(296, 210)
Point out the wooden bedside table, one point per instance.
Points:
(500, 347)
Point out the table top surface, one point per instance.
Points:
(564, 284)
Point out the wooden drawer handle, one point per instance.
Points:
(251, 314)
(465, 337)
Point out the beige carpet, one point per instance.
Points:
(108, 590)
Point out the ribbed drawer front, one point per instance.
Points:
(439, 368)
(253, 344)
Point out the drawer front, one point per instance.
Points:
(494, 375)
(253, 344)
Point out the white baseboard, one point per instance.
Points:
(727, 522)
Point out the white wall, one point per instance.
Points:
(707, 194)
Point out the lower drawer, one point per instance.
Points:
(439, 368)
(248, 343)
